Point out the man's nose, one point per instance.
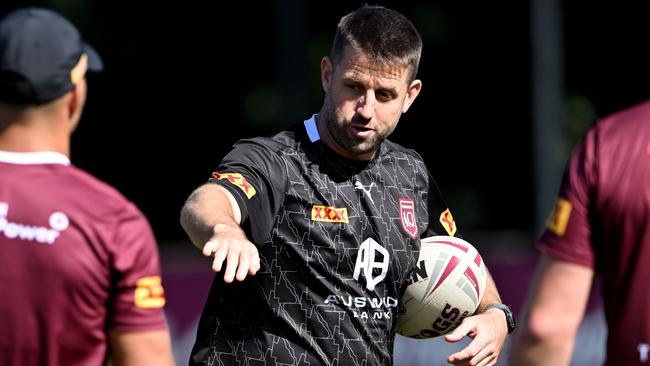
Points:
(366, 105)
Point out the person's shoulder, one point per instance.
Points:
(636, 115)
(288, 138)
(104, 197)
(627, 124)
(391, 147)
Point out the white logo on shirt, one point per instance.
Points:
(643, 349)
(367, 261)
(364, 308)
(58, 222)
(358, 185)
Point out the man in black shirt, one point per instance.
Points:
(326, 218)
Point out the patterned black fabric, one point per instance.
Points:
(338, 240)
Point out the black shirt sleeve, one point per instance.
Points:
(441, 221)
(255, 174)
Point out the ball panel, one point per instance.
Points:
(447, 285)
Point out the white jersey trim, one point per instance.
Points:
(35, 157)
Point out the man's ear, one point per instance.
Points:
(412, 93)
(77, 100)
(326, 72)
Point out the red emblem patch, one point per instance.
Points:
(407, 217)
(238, 180)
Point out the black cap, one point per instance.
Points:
(42, 56)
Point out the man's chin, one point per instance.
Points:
(363, 149)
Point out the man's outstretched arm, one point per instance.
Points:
(211, 218)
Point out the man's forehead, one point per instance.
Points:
(356, 65)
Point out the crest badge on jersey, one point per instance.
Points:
(238, 180)
(447, 221)
(407, 217)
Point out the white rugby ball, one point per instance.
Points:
(447, 286)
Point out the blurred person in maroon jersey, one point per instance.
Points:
(600, 228)
(79, 267)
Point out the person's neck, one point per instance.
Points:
(27, 138)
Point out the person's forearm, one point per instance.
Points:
(534, 351)
(141, 348)
(491, 295)
(554, 310)
(207, 209)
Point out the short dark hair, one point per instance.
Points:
(384, 35)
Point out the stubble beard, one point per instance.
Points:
(336, 127)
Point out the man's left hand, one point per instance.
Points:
(488, 331)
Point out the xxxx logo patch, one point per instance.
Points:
(238, 180)
(329, 214)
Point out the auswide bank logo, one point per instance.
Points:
(371, 266)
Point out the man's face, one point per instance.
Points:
(363, 103)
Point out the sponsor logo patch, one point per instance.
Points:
(149, 293)
(58, 223)
(372, 265)
(329, 214)
(407, 217)
(558, 221)
(371, 256)
(447, 221)
(238, 180)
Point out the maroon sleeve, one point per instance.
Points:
(137, 297)
(568, 230)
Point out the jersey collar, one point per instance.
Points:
(312, 130)
(32, 158)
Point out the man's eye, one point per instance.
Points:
(384, 96)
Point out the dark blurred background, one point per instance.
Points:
(185, 79)
(509, 87)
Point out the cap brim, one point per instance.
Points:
(94, 61)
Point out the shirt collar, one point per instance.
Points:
(312, 129)
(33, 157)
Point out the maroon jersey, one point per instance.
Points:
(602, 221)
(77, 260)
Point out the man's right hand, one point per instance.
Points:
(230, 244)
(211, 218)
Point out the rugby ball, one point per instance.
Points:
(447, 285)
